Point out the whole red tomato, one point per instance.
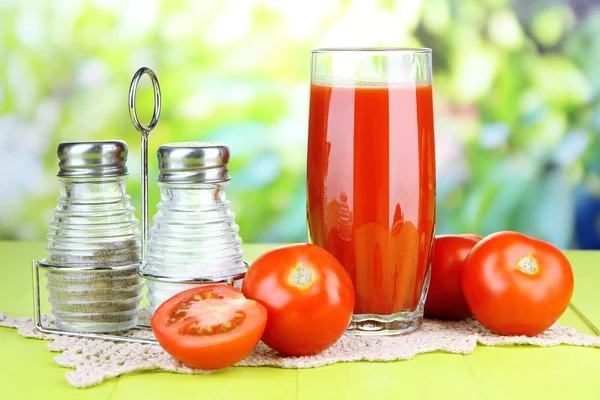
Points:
(209, 327)
(308, 295)
(445, 299)
(517, 285)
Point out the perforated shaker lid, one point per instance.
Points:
(198, 162)
(96, 158)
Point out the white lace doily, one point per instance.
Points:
(96, 360)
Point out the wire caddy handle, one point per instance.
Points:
(37, 264)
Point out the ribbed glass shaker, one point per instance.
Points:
(194, 233)
(94, 226)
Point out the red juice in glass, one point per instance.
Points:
(371, 178)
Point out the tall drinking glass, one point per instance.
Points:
(371, 178)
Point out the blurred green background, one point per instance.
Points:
(516, 100)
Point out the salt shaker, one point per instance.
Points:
(94, 226)
(194, 235)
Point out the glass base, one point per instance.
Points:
(96, 327)
(391, 324)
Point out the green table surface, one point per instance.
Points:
(27, 370)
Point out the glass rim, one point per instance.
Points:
(409, 50)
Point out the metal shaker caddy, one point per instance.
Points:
(111, 284)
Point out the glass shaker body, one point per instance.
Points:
(94, 226)
(194, 235)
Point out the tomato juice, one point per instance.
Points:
(371, 188)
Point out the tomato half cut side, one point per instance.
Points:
(209, 327)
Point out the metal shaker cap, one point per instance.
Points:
(96, 158)
(198, 162)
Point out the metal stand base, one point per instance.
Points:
(37, 314)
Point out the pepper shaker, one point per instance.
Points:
(194, 235)
(94, 226)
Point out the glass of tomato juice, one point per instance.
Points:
(371, 178)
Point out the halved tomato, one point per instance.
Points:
(209, 327)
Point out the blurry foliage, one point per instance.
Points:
(516, 90)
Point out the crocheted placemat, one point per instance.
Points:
(95, 360)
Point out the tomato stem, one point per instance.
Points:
(528, 265)
(302, 277)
